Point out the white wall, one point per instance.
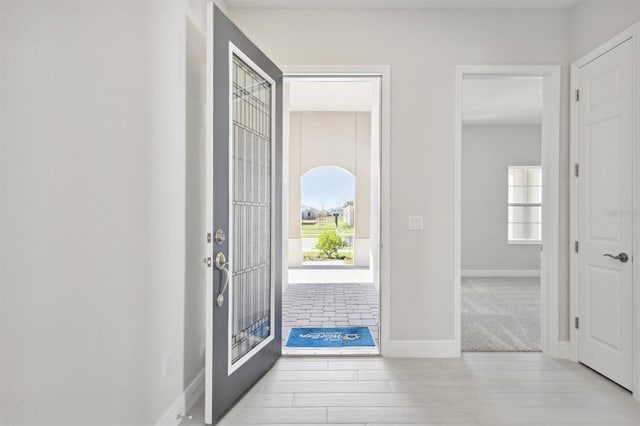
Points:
(487, 152)
(94, 161)
(593, 22)
(175, 281)
(195, 197)
(94, 228)
(423, 48)
(74, 210)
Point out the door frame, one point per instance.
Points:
(354, 71)
(633, 34)
(209, 291)
(549, 271)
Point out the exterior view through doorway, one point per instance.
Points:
(331, 166)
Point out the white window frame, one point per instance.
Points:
(509, 204)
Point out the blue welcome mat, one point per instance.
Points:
(330, 337)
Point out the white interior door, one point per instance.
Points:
(605, 214)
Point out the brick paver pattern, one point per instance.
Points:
(330, 305)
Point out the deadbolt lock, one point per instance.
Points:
(220, 237)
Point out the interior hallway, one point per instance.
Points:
(477, 389)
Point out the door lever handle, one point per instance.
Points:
(221, 264)
(622, 257)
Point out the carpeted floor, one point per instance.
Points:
(501, 315)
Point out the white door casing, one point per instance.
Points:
(605, 214)
(549, 279)
(388, 347)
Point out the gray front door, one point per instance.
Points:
(247, 199)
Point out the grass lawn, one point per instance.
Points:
(314, 228)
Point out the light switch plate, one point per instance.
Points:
(416, 223)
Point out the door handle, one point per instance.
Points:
(622, 257)
(221, 264)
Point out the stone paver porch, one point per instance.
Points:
(330, 305)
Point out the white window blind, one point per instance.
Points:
(525, 205)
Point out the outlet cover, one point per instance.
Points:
(416, 223)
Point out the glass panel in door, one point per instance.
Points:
(251, 291)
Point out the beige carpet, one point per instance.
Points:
(501, 315)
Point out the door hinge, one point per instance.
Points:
(578, 95)
(577, 169)
(577, 323)
(576, 247)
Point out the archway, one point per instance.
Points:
(327, 215)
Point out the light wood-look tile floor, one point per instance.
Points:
(477, 389)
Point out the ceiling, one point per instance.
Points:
(403, 4)
(500, 101)
(330, 96)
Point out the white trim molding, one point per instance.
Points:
(421, 349)
(209, 298)
(183, 404)
(516, 273)
(384, 72)
(564, 350)
(632, 33)
(549, 279)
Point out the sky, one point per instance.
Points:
(329, 185)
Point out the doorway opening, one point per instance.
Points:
(501, 214)
(327, 207)
(331, 145)
(507, 209)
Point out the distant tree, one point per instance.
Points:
(329, 243)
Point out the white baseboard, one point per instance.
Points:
(563, 350)
(516, 273)
(185, 401)
(420, 349)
